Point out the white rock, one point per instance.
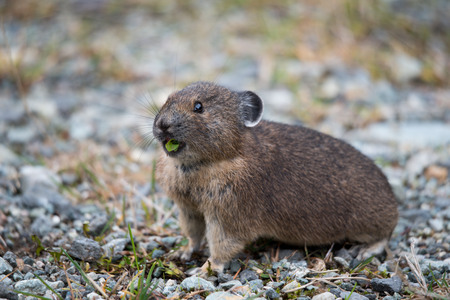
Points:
(324, 296)
(436, 224)
(405, 67)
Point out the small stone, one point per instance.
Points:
(115, 246)
(86, 250)
(169, 241)
(292, 285)
(405, 67)
(275, 284)
(31, 286)
(354, 296)
(256, 285)
(5, 267)
(299, 273)
(28, 260)
(247, 275)
(151, 245)
(93, 296)
(196, 283)
(438, 172)
(436, 224)
(272, 294)
(341, 261)
(390, 285)
(6, 292)
(158, 253)
(290, 255)
(17, 276)
(223, 296)
(170, 287)
(98, 224)
(31, 176)
(230, 284)
(41, 226)
(235, 265)
(224, 277)
(324, 296)
(347, 286)
(5, 279)
(7, 156)
(21, 134)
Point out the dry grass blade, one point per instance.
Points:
(415, 268)
(116, 286)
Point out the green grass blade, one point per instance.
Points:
(134, 247)
(49, 287)
(32, 295)
(77, 266)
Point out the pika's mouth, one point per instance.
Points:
(172, 146)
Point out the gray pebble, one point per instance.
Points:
(275, 284)
(235, 265)
(390, 285)
(17, 276)
(113, 247)
(224, 277)
(5, 279)
(151, 245)
(86, 250)
(169, 241)
(5, 267)
(436, 224)
(272, 294)
(6, 291)
(196, 283)
(97, 224)
(292, 285)
(354, 296)
(222, 296)
(347, 286)
(42, 226)
(230, 284)
(247, 275)
(31, 286)
(256, 285)
(324, 296)
(158, 253)
(341, 261)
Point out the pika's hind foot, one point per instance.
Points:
(375, 249)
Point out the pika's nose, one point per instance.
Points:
(163, 125)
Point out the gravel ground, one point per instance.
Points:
(76, 165)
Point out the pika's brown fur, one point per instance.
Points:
(236, 179)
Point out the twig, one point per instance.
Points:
(415, 267)
(116, 286)
(329, 254)
(99, 289)
(68, 283)
(237, 273)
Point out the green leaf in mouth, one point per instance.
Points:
(172, 145)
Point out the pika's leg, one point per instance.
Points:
(193, 226)
(222, 246)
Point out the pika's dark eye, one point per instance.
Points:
(198, 107)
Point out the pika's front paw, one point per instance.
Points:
(212, 267)
(181, 254)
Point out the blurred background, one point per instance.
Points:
(77, 78)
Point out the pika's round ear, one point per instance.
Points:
(251, 108)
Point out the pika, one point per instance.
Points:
(236, 178)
